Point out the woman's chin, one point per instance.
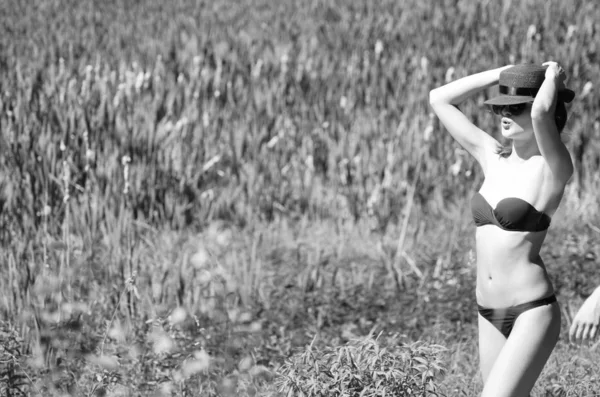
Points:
(511, 133)
(508, 134)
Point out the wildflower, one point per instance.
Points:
(146, 83)
(167, 389)
(531, 32)
(177, 316)
(139, 82)
(257, 68)
(61, 66)
(272, 142)
(449, 74)
(207, 194)
(309, 162)
(161, 342)
(88, 73)
(223, 238)
(117, 333)
(572, 29)
(210, 163)
(107, 362)
(245, 364)
(125, 160)
(587, 89)
(229, 385)
(66, 180)
(378, 48)
(200, 363)
(343, 102)
(200, 258)
(424, 64)
(46, 211)
(90, 155)
(255, 326)
(373, 200)
(245, 317)
(456, 167)
(428, 133)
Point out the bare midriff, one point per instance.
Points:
(510, 270)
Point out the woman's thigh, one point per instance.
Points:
(525, 353)
(491, 342)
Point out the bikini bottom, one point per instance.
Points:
(505, 318)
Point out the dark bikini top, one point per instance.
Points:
(511, 213)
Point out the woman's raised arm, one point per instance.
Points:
(444, 99)
(546, 131)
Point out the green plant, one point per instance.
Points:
(14, 381)
(365, 367)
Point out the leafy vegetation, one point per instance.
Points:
(191, 193)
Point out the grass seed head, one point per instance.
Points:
(200, 258)
(178, 316)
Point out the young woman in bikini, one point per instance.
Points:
(519, 317)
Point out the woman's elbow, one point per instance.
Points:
(434, 96)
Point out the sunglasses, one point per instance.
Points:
(514, 110)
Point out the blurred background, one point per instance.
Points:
(192, 192)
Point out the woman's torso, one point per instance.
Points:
(510, 270)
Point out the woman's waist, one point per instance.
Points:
(512, 288)
(512, 285)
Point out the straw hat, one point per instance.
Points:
(520, 84)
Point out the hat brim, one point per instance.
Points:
(565, 95)
(509, 100)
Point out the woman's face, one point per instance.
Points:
(516, 126)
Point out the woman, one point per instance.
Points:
(519, 318)
(585, 324)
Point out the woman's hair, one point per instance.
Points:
(560, 118)
(560, 115)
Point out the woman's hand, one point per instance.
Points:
(557, 73)
(586, 321)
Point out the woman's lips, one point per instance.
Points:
(506, 122)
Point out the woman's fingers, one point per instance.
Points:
(573, 330)
(579, 333)
(586, 332)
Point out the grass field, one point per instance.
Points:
(215, 198)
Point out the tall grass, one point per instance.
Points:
(248, 172)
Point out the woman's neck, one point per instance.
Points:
(524, 150)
